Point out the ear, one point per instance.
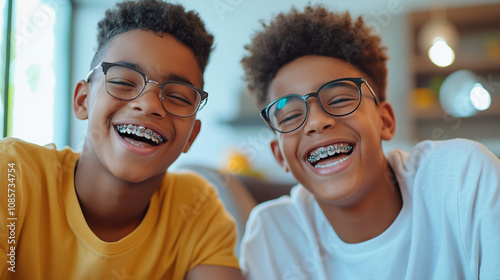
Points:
(388, 121)
(194, 134)
(80, 100)
(275, 147)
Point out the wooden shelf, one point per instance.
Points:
(466, 17)
(478, 51)
(436, 112)
(478, 63)
(242, 121)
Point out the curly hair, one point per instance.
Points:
(316, 31)
(159, 17)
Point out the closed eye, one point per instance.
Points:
(341, 99)
(176, 98)
(289, 118)
(121, 83)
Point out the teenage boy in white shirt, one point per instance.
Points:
(356, 213)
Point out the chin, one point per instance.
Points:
(335, 193)
(132, 175)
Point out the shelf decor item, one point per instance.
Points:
(462, 95)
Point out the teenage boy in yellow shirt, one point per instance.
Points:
(432, 213)
(113, 211)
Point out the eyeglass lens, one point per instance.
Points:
(337, 98)
(127, 84)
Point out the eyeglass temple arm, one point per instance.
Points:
(92, 71)
(371, 90)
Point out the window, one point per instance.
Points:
(4, 64)
(36, 101)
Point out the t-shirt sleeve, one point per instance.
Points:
(277, 238)
(212, 229)
(479, 211)
(256, 257)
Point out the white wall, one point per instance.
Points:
(233, 22)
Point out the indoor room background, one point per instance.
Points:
(52, 43)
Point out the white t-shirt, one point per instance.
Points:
(448, 227)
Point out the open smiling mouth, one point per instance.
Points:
(139, 135)
(330, 155)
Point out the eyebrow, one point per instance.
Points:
(341, 84)
(164, 77)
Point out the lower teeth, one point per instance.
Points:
(136, 144)
(331, 163)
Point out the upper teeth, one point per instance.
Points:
(140, 131)
(331, 150)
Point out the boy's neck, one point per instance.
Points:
(372, 215)
(112, 208)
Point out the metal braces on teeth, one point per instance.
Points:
(140, 131)
(329, 151)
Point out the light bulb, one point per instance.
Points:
(441, 54)
(480, 97)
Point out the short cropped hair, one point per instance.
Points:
(159, 17)
(316, 31)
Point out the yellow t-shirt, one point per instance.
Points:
(44, 235)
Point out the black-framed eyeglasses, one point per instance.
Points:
(126, 83)
(337, 98)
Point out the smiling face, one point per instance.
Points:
(352, 163)
(117, 129)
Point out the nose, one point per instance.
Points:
(317, 119)
(149, 102)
